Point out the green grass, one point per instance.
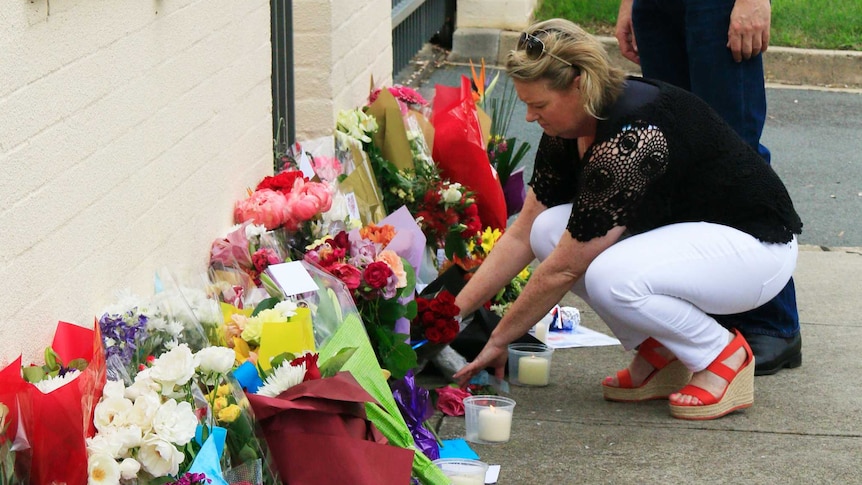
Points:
(812, 24)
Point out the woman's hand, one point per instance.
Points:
(492, 355)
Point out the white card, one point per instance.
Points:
(292, 278)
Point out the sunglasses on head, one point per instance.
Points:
(534, 48)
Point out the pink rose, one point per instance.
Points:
(346, 273)
(265, 207)
(450, 400)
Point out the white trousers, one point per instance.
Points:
(664, 283)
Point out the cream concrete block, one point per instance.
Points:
(497, 14)
(312, 16)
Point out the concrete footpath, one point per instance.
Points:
(805, 426)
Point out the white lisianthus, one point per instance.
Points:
(173, 368)
(127, 437)
(102, 469)
(175, 422)
(215, 360)
(451, 194)
(144, 411)
(129, 468)
(281, 379)
(54, 383)
(338, 211)
(112, 412)
(113, 389)
(287, 308)
(159, 457)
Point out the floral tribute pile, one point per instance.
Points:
(297, 344)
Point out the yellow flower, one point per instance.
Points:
(525, 273)
(489, 239)
(219, 404)
(223, 390)
(229, 414)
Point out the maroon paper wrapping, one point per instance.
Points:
(318, 434)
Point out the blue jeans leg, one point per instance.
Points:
(684, 42)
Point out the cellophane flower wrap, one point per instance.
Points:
(378, 280)
(449, 217)
(57, 413)
(158, 428)
(415, 405)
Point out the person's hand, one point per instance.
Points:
(748, 34)
(625, 32)
(492, 355)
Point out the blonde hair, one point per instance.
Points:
(601, 83)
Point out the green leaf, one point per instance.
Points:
(455, 245)
(400, 358)
(411, 309)
(33, 373)
(336, 362)
(279, 359)
(271, 287)
(52, 360)
(411, 277)
(266, 304)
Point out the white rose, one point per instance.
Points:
(102, 469)
(173, 368)
(144, 411)
(215, 360)
(338, 211)
(113, 389)
(452, 194)
(158, 457)
(103, 444)
(112, 412)
(254, 230)
(129, 437)
(175, 422)
(143, 384)
(129, 468)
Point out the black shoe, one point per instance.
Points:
(771, 354)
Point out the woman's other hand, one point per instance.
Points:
(492, 355)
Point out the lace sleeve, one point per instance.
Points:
(617, 173)
(554, 180)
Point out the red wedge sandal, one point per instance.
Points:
(668, 377)
(739, 393)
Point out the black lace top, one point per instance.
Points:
(663, 156)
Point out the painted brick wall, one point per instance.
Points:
(339, 45)
(495, 14)
(127, 130)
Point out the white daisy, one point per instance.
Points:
(281, 379)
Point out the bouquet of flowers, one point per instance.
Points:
(379, 280)
(436, 324)
(238, 260)
(287, 200)
(161, 426)
(449, 217)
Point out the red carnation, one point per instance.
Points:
(282, 182)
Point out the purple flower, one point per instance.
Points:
(120, 333)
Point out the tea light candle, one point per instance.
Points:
(494, 424)
(533, 370)
(474, 479)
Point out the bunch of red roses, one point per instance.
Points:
(449, 217)
(436, 318)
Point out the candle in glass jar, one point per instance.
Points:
(533, 370)
(495, 424)
(474, 479)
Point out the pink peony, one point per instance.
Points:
(306, 201)
(450, 400)
(265, 207)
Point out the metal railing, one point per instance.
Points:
(283, 118)
(414, 23)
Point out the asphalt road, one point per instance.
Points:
(816, 141)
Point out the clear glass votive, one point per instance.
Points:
(530, 364)
(462, 471)
(488, 419)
